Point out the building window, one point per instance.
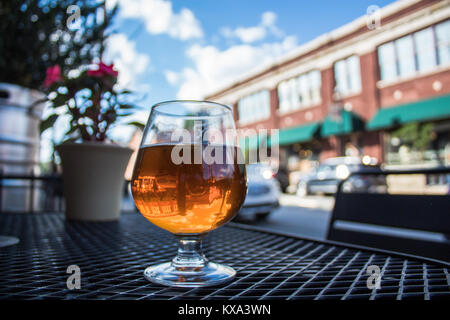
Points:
(315, 79)
(405, 50)
(300, 92)
(348, 76)
(304, 94)
(426, 55)
(292, 96)
(421, 51)
(254, 107)
(283, 102)
(387, 61)
(443, 42)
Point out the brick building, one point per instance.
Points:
(346, 92)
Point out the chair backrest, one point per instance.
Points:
(413, 224)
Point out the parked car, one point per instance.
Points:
(263, 193)
(326, 178)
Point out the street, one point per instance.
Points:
(305, 217)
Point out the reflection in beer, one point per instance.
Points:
(187, 198)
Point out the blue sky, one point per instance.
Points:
(170, 60)
(169, 49)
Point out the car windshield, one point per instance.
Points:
(258, 170)
(326, 168)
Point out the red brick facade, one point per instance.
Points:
(373, 95)
(415, 89)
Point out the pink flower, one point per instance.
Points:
(53, 75)
(104, 70)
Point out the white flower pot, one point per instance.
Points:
(93, 175)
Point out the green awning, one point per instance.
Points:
(431, 109)
(349, 122)
(250, 142)
(297, 134)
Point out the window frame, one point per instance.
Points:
(416, 50)
(248, 102)
(438, 57)
(350, 92)
(286, 87)
(417, 72)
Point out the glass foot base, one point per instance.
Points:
(8, 241)
(190, 277)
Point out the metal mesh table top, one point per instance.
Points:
(113, 255)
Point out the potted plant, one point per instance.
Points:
(35, 35)
(93, 166)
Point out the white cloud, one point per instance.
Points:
(171, 77)
(255, 33)
(214, 68)
(159, 18)
(268, 18)
(251, 34)
(130, 63)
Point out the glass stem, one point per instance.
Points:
(190, 253)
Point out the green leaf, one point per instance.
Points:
(60, 99)
(47, 123)
(39, 102)
(91, 112)
(126, 106)
(137, 124)
(69, 140)
(71, 130)
(416, 136)
(125, 114)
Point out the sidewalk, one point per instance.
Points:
(313, 202)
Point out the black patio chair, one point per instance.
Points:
(412, 224)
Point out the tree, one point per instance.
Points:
(36, 34)
(416, 136)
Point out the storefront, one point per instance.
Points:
(416, 134)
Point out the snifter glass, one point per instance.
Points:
(189, 178)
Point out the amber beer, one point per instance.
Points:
(187, 198)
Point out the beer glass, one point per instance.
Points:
(189, 178)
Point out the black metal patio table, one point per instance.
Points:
(113, 255)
